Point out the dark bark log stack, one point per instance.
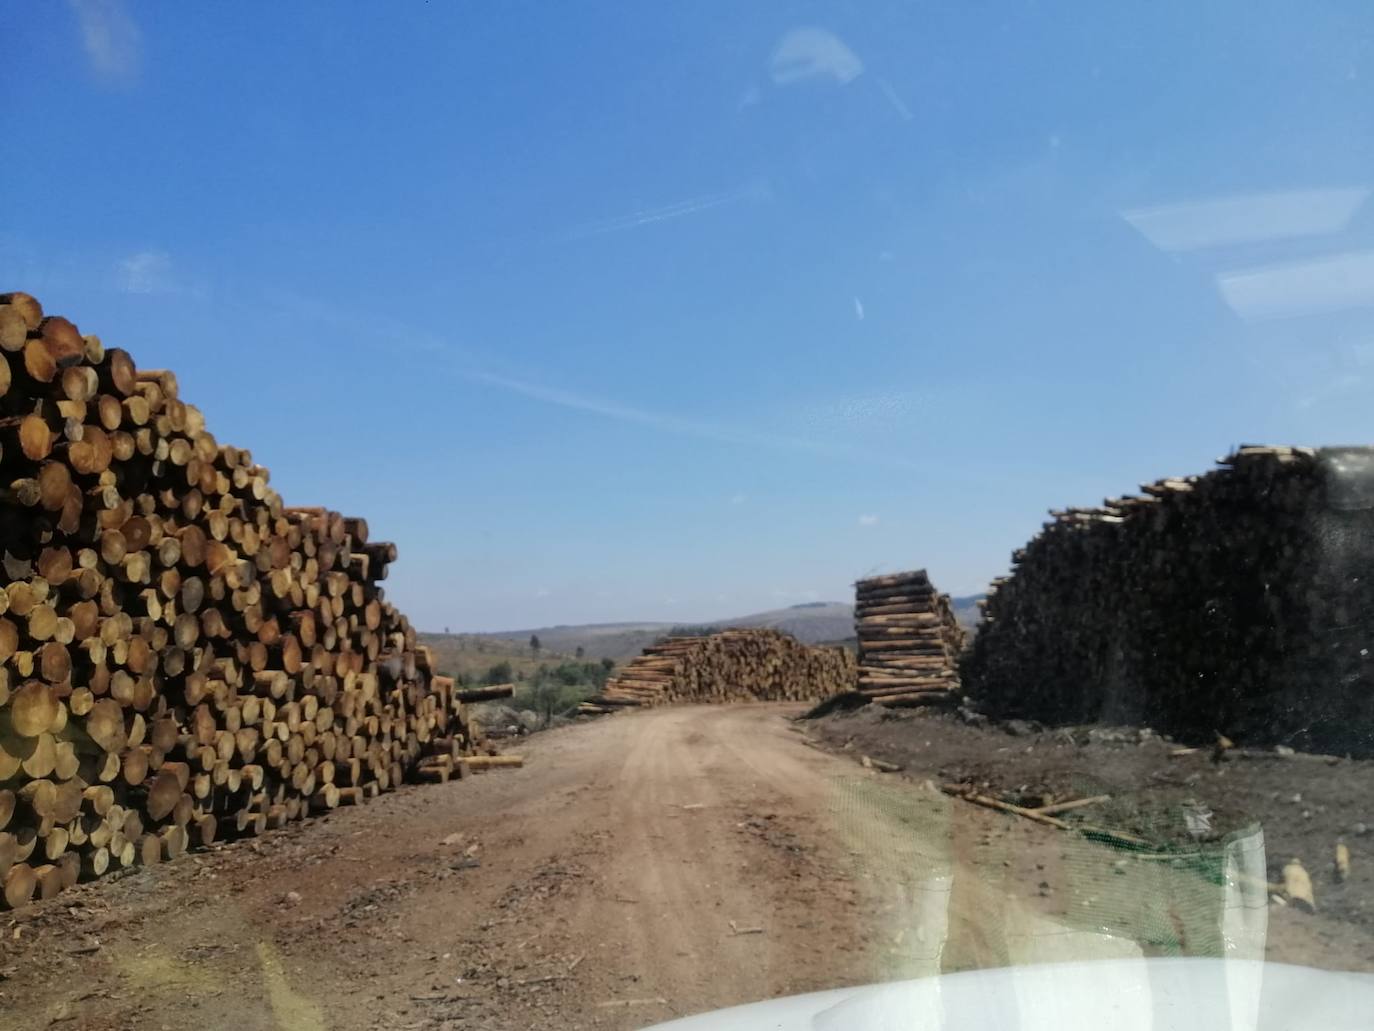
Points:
(1240, 601)
(729, 666)
(182, 657)
(909, 641)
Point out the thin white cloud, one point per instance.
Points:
(1345, 384)
(902, 110)
(718, 432)
(458, 360)
(648, 216)
(1248, 218)
(738, 499)
(891, 410)
(153, 272)
(858, 309)
(868, 520)
(110, 37)
(812, 53)
(1301, 288)
(394, 333)
(608, 409)
(146, 272)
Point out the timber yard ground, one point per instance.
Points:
(663, 862)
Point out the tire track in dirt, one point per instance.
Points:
(639, 867)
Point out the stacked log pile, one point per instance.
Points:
(909, 641)
(1240, 601)
(182, 657)
(729, 666)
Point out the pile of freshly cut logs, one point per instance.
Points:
(728, 666)
(1238, 602)
(909, 641)
(182, 657)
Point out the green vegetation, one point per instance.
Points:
(470, 657)
(690, 631)
(549, 684)
(499, 673)
(554, 690)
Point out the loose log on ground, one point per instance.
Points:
(968, 795)
(485, 694)
(1297, 885)
(1078, 803)
(491, 762)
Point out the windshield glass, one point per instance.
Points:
(583, 514)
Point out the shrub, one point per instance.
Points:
(500, 673)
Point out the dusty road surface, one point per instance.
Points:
(644, 866)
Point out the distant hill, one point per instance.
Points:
(966, 610)
(810, 623)
(816, 622)
(597, 640)
(472, 655)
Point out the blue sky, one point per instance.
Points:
(680, 311)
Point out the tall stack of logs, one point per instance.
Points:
(909, 641)
(182, 657)
(729, 666)
(1240, 601)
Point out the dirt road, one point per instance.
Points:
(641, 867)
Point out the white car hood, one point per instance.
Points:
(1117, 995)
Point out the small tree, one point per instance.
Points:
(608, 664)
(546, 697)
(581, 651)
(534, 643)
(500, 673)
